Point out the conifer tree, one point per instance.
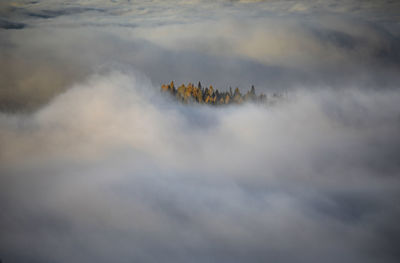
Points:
(237, 97)
(211, 90)
(199, 96)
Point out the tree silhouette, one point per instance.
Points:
(209, 95)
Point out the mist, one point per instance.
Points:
(114, 173)
(97, 165)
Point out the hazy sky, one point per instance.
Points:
(96, 166)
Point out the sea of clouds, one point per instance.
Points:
(97, 166)
(107, 172)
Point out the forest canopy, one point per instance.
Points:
(208, 95)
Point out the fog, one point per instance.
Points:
(96, 165)
(106, 172)
(274, 45)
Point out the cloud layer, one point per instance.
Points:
(109, 172)
(47, 46)
(96, 166)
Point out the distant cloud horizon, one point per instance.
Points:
(270, 44)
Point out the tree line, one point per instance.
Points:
(207, 95)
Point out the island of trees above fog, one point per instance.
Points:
(211, 96)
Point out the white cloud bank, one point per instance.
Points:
(46, 46)
(97, 167)
(109, 171)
